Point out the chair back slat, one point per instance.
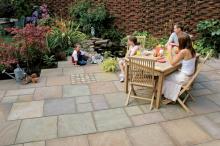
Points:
(141, 70)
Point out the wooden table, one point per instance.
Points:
(161, 70)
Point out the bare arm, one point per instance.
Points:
(175, 60)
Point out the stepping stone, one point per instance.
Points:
(37, 129)
(8, 132)
(76, 124)
(48, 93)
(41, 143)
(111, 138)
(102, 88)
(59, 80)
(59, 106)
(75, 90)
(111, 119)
(149, 118)
(186, 132)
(150, 135)
(116, 99)
(19, 92)
(25, 110)
(69, 141)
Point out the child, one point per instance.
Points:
(133, 48)
(78, 56)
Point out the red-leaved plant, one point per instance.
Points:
(30, 43)
(7, 56)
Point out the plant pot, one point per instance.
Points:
(61, 56)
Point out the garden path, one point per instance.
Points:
(83, 106)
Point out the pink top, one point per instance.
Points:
(133, 50)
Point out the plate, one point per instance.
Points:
(161, 60)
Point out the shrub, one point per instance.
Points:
(64, 35)
(7, 9)
(209, 38)
(109, 65)
(30, 43)
(49, 61)
(88, 14)
(22, 7)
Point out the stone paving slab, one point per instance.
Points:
(212, 86)
(41, 83)
(150, 135)
(75, 90)
(8, 131)
(8, 84)
(51, 72)
(83, 99)
(59, 106)
(111, 119)
(116, 99)
(20, 98)
(37, 129)
(215, 98)
(133, 110)
(41, 143)
(25, 110)
(112, 138)
(9, 99)
(59, 80)
(76, 124)
(2, 93)
(213, 143)
(84, 107)
(4, 111)
(93, 69)
(48, 93)
(19, 92)
(201, 92)
(119, 85)
(99, 102)
(73, 70)
(69, 141)
(102, 77)
(149, 118)
(208, 125)
(102, 88)
(203, 105)
(186, 132)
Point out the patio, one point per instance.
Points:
(84, 106)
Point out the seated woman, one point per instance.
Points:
(78, 56)
(133, 48)
(187, 56)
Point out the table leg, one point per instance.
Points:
(126, 78)
(159, 90)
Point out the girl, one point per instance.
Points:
(133, 48)
(187, 56)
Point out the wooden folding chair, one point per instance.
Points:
(186, 88)
(141, 73)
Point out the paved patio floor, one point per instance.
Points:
(83, 106)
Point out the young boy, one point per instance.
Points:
(78, 56)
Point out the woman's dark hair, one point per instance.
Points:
(180, 25)
(134, 40)
(185, 42)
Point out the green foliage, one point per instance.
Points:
(109, 65)
(107, 54)
(63, 36)
(7, 9)
(2, 67)
(46, 22)
(49, 61)
(209, 31)
(22, 7)
(150, 43)
(163, 40)
(202, 49)
(88, 14)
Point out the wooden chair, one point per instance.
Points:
(187, 88)
(141, 73)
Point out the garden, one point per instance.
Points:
(35, 38)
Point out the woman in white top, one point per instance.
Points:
(187, 56)
(133, 48)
